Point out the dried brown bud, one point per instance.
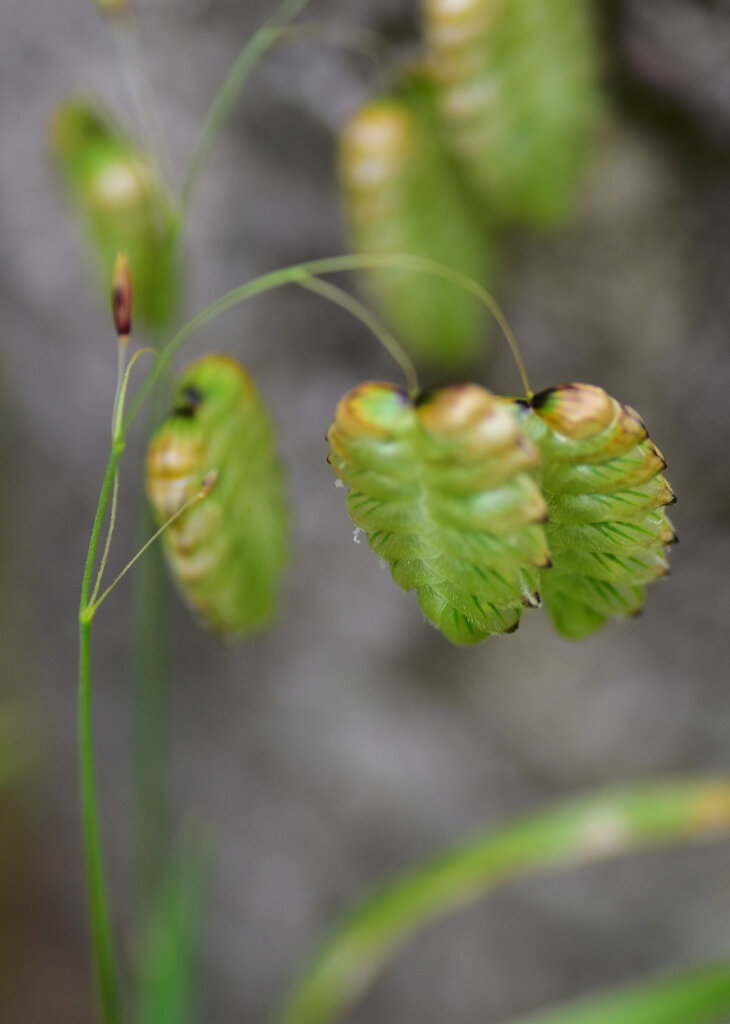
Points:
(122, 296)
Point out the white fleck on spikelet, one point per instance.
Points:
(356, 534)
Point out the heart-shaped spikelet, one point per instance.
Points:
(227, 551)
(440, 486)
(602, 479)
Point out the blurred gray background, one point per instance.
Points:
(351, 740)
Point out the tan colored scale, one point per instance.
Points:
(173, 472)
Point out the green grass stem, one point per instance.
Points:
(300, 274)
(591, 828)
(260, 43)
(700, 995)
(102, 940)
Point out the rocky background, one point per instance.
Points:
(351, 740)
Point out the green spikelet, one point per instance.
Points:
(227, 552)
(122, 204)
(602, 480)
(400, 195)
(518, 97)
(441, 489)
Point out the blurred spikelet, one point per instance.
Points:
(518, 95)
(400, 195)
(227, 551)
(117, 194)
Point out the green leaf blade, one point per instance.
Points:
(698, 996)
(608, 824)
(167, 958)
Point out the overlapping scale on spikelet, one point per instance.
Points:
(441, 488)
(227, 552)
(400, 196)
(519, 98)
(602, 479)
(119, 197)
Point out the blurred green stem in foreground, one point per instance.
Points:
(697, 996)
(590, 828)
(168, 945)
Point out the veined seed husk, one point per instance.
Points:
(401, 196)
(602, 478)
(519, 100)
(441, 487)
(228, 550)
(117, 194)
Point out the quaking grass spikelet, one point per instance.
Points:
(440, 486)
(122, 203)
(603, 482)
(519, 100)
(400, 195)
(228, 551)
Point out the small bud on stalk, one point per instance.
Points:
(122, 297)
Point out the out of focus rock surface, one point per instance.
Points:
(351, 740)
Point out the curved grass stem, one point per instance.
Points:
(260, 43)
(348, 37)
(299, 274)
(582, 830)
(368, 318)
